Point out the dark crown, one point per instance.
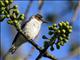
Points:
(38, 16)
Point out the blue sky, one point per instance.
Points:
(49, 6)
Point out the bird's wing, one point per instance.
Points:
(18, 34)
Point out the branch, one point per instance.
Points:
(41, 50)
(75, 13)
(41, 2)
(45, 49)
(71, 54)
(28, 8)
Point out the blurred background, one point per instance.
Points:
(53, 12)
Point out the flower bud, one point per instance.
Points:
(10, 22)
(50, 27)
(54, 28)
(65, 40)
(7, 16)
(5, 12)
(15, 7)
(51, 48)
(21, 17)
(70, 27)
(60, 24)
(2, 12)
(50, 32)
(2, 18)
(58, 45)
(2, 4)
(58, 31)
(45, 43)
(64, 24)
(16, 11)
(70, 30)
(14, 16)
(54, 25)
(61, 43)
(44, 37)
(3, 8)
(67, 27)
(60, 38)
(67, 23)
(10, 1)
(6, 2)
(63, 35)
(63, 31)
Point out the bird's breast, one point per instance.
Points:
(32, 29)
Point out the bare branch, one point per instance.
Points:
(41, 2)
(28, 8)
(75, 13)
(41, 50)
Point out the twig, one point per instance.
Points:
(49, 56)
(75, 13)
(71, 54)
(28, 8)
(41, 2)
(45, 49)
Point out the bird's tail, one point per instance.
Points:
(18, 41)
(10, 52)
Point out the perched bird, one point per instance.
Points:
(30, 28)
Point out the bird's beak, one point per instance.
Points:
(44, 21)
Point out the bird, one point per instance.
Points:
(31, 30)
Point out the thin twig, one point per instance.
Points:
(45, 49)
(75, 13)
(41, 2)
(28, 8)
(71, 54)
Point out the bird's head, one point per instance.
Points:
(39, 18)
